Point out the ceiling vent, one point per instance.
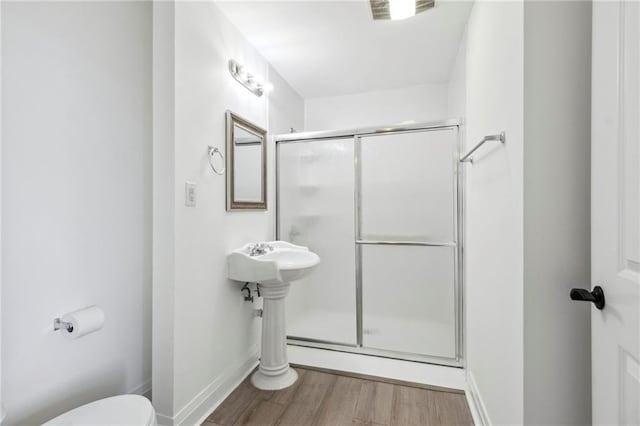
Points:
(398, 9)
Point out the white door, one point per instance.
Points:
(615, 221)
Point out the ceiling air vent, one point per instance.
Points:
(398, 9)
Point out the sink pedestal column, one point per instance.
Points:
(274, 372)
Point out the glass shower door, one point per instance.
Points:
(316, 210)
(407, 242)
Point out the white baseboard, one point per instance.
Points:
(164, 420)
(202, 405)
(409, 371)
(144, 389)
(476, 404)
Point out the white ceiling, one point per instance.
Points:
(329, 48)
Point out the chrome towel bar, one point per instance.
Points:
(468, 159)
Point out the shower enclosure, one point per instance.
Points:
(382, 208)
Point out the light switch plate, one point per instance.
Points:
(190, 194)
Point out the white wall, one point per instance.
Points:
(557, 87)
(286, 106)
(76, 203)
(417, 104)
(457, 87)
(2, 412)
(164, 206)
(494, 211)
(527, 208)
(215, 335)
(286, 112)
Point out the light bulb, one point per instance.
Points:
(402, 9)
(242, 73)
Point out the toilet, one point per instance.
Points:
(121, 410)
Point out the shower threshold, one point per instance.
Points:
(294, 341)
(424, 373)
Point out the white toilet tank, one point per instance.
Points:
(121, 410)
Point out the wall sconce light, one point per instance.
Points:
(254, 84)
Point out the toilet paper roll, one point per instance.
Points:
(84, 321)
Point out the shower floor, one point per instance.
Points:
(408, 335)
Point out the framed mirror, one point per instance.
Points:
(246, 164)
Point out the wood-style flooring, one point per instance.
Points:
(320, 398)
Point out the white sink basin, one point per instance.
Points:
(286, 262)
(274, 265)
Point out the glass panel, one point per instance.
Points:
(408, 186)
(408, 299)
(247, 165)
(316, 209)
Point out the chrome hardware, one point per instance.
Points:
(248, 297)
(367, 131)
(406, 243)
(499, 138)
(58, 324)
(213, 151)
(259, 249)
(327, 136)
(245, 78)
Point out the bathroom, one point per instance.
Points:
(117, 193)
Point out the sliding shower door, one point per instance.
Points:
(407, 242)
(316, 210)
(382, 212)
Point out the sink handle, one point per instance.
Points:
(259, 248)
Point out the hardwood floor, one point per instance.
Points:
(319, 399)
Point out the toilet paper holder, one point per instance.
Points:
(58, 324)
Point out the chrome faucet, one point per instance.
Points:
(259, 249)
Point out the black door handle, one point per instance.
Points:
(596, 296)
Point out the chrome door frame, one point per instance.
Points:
(356, 135)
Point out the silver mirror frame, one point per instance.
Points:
(232, 120)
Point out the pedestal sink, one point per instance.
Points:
(274, 265)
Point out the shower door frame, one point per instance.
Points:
(356, 135)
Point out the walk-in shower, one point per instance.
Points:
(383, 209)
